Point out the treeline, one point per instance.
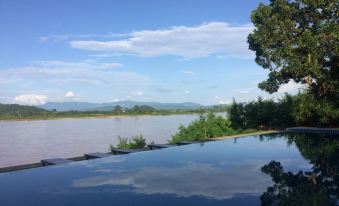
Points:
(20, 111)
(302, 109)
(15, 111)
(208, 125)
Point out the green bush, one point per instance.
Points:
(302, 109)
(314, 112)
(260, 113)
(134, 143)
(207, 126)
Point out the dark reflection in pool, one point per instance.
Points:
(247, 171)
(319, 186)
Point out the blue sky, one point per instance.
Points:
(147, 50)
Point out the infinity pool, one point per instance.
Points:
(278, 168)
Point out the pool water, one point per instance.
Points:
(281, 168)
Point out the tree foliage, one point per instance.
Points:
(299, 40)
(206, 126)
(143, 109)
(302, 109)
(21, 111)
(117, 109)
(262, 113)
(308, 110)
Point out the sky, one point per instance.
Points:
(145, 50)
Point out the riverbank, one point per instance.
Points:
(101, 116)
(62, 118)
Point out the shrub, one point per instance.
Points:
(134, 143)
(207, 126)
(314, 112)
(302, 109)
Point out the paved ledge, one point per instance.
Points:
(33, 165)
(20, 167)
(244, 135)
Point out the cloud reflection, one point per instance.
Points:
(189, 179)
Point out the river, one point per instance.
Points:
(24, 142)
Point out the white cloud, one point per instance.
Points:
(186, 92)
(291, 87)
(65, 37)
(214, 38)
(52, 78)
(82, 64)
(70, 94)
(55, 38)
(111, 65)
(219, 100)
(60, 73)
(103, 55)
(30, 99)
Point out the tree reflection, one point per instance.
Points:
(320, 186)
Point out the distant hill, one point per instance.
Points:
(67, 106)
(20, 110)
(86, 106)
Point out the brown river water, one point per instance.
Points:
(24, 142)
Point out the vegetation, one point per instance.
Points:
(302, 109)
(299, 110)
(134, 143)
(309, 111)
(19, 111)
(298, 40)
(15, 112)
(295, 40)
(209, 125)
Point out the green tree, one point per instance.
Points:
(299, 40)
(236, 115)
(205, 127)
(117, 109)
(307, 110)
(142, 109)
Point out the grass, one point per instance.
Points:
(134, 142)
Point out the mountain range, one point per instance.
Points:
(85, 106)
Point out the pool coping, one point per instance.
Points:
(247, 134)
(292, 129)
